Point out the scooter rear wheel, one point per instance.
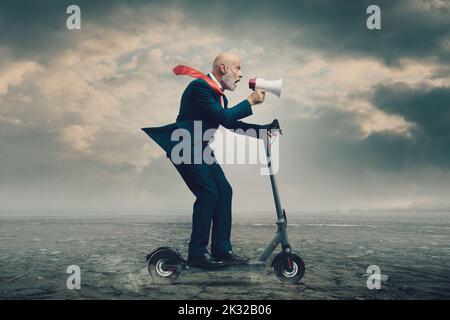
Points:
(156, 269)
(288, 271)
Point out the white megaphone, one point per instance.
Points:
(271, 86)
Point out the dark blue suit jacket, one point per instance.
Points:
(200, 102)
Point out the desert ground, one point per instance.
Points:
(411, 249)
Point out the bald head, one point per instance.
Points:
(225, 58)
(227, 70)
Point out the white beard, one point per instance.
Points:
(229, 82)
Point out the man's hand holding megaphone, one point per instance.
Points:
(257, 97)
(259, 87)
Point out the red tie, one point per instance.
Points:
(188, 71)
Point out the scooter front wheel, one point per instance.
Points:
(288, 267)
(157, 266)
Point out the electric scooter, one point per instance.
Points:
(165, 264)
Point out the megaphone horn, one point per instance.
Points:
(266, 85)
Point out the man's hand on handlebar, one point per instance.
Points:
(273, 128)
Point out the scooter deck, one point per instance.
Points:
(252, 266)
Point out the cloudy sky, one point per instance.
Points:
(366, 113)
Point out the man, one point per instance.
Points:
(203, 100)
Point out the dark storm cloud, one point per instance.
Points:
(332, 142)
(429, 110)
(406, 33)
(338, 27)
(37, 29)
(339, 146)
(34, 29)
(332, 27)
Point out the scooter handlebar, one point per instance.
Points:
(275, 126)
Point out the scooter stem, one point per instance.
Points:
(273, 180)
(281, 236)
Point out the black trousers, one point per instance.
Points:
(212, 205)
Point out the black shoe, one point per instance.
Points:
(206, 261)
(230, 257)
